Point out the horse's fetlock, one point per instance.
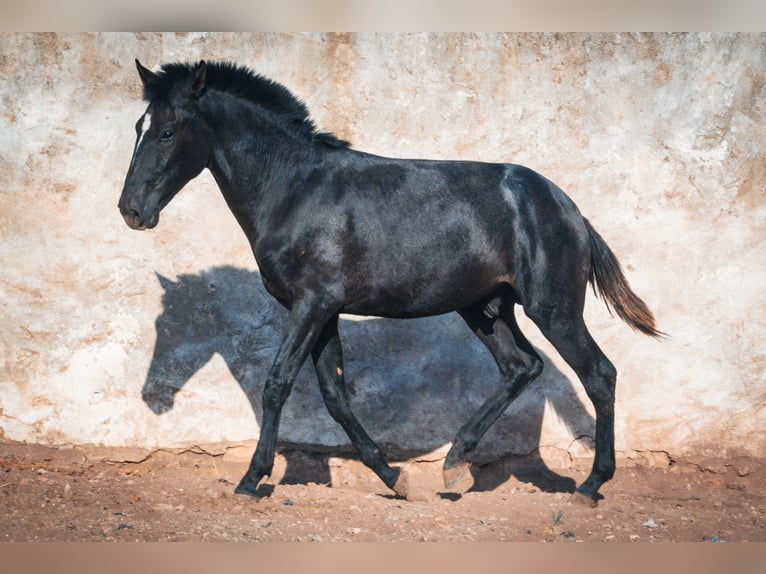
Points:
(373, 458)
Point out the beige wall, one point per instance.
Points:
(660, 140)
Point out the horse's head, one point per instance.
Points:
(172, 143)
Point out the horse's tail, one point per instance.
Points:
(610, 284)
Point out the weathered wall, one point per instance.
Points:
(660, 139)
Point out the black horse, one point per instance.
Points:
(335, 230)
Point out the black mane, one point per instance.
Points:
(244, 83)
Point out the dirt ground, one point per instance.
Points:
(76, 495)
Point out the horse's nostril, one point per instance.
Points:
(132, 217)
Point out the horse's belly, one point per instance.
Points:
(422, 293)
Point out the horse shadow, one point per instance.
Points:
(412, 383)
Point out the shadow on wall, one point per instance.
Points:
(413, 382)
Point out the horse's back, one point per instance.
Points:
(424, 237)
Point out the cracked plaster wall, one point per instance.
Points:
(660, 140)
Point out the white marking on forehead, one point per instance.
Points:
(144, 128)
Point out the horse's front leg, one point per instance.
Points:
(307, 320)
(328, 362)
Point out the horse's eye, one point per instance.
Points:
(167, 135)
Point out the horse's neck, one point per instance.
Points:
(250, 164)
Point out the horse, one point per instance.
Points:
(337, 230)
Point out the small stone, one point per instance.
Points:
(651, 524)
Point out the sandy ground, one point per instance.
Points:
(75, 495)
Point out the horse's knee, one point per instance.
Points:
(275, 394)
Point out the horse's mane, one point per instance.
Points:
(244, 83)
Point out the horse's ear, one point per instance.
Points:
(164, 281)
(144, 73)
(200, 79)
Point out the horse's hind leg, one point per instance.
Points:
(519, 364)
(564, 327)
(328, 362)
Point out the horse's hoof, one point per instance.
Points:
(458, 478)
(402, 484)
(246, 490)
(583, 499)
(248, 486)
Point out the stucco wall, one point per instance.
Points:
(659, 139)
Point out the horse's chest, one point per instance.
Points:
(277, 289)
(294, 270)
(277, 270)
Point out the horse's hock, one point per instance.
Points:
(658, 138)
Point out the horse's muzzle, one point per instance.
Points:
(136, 221)
(139, 214)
